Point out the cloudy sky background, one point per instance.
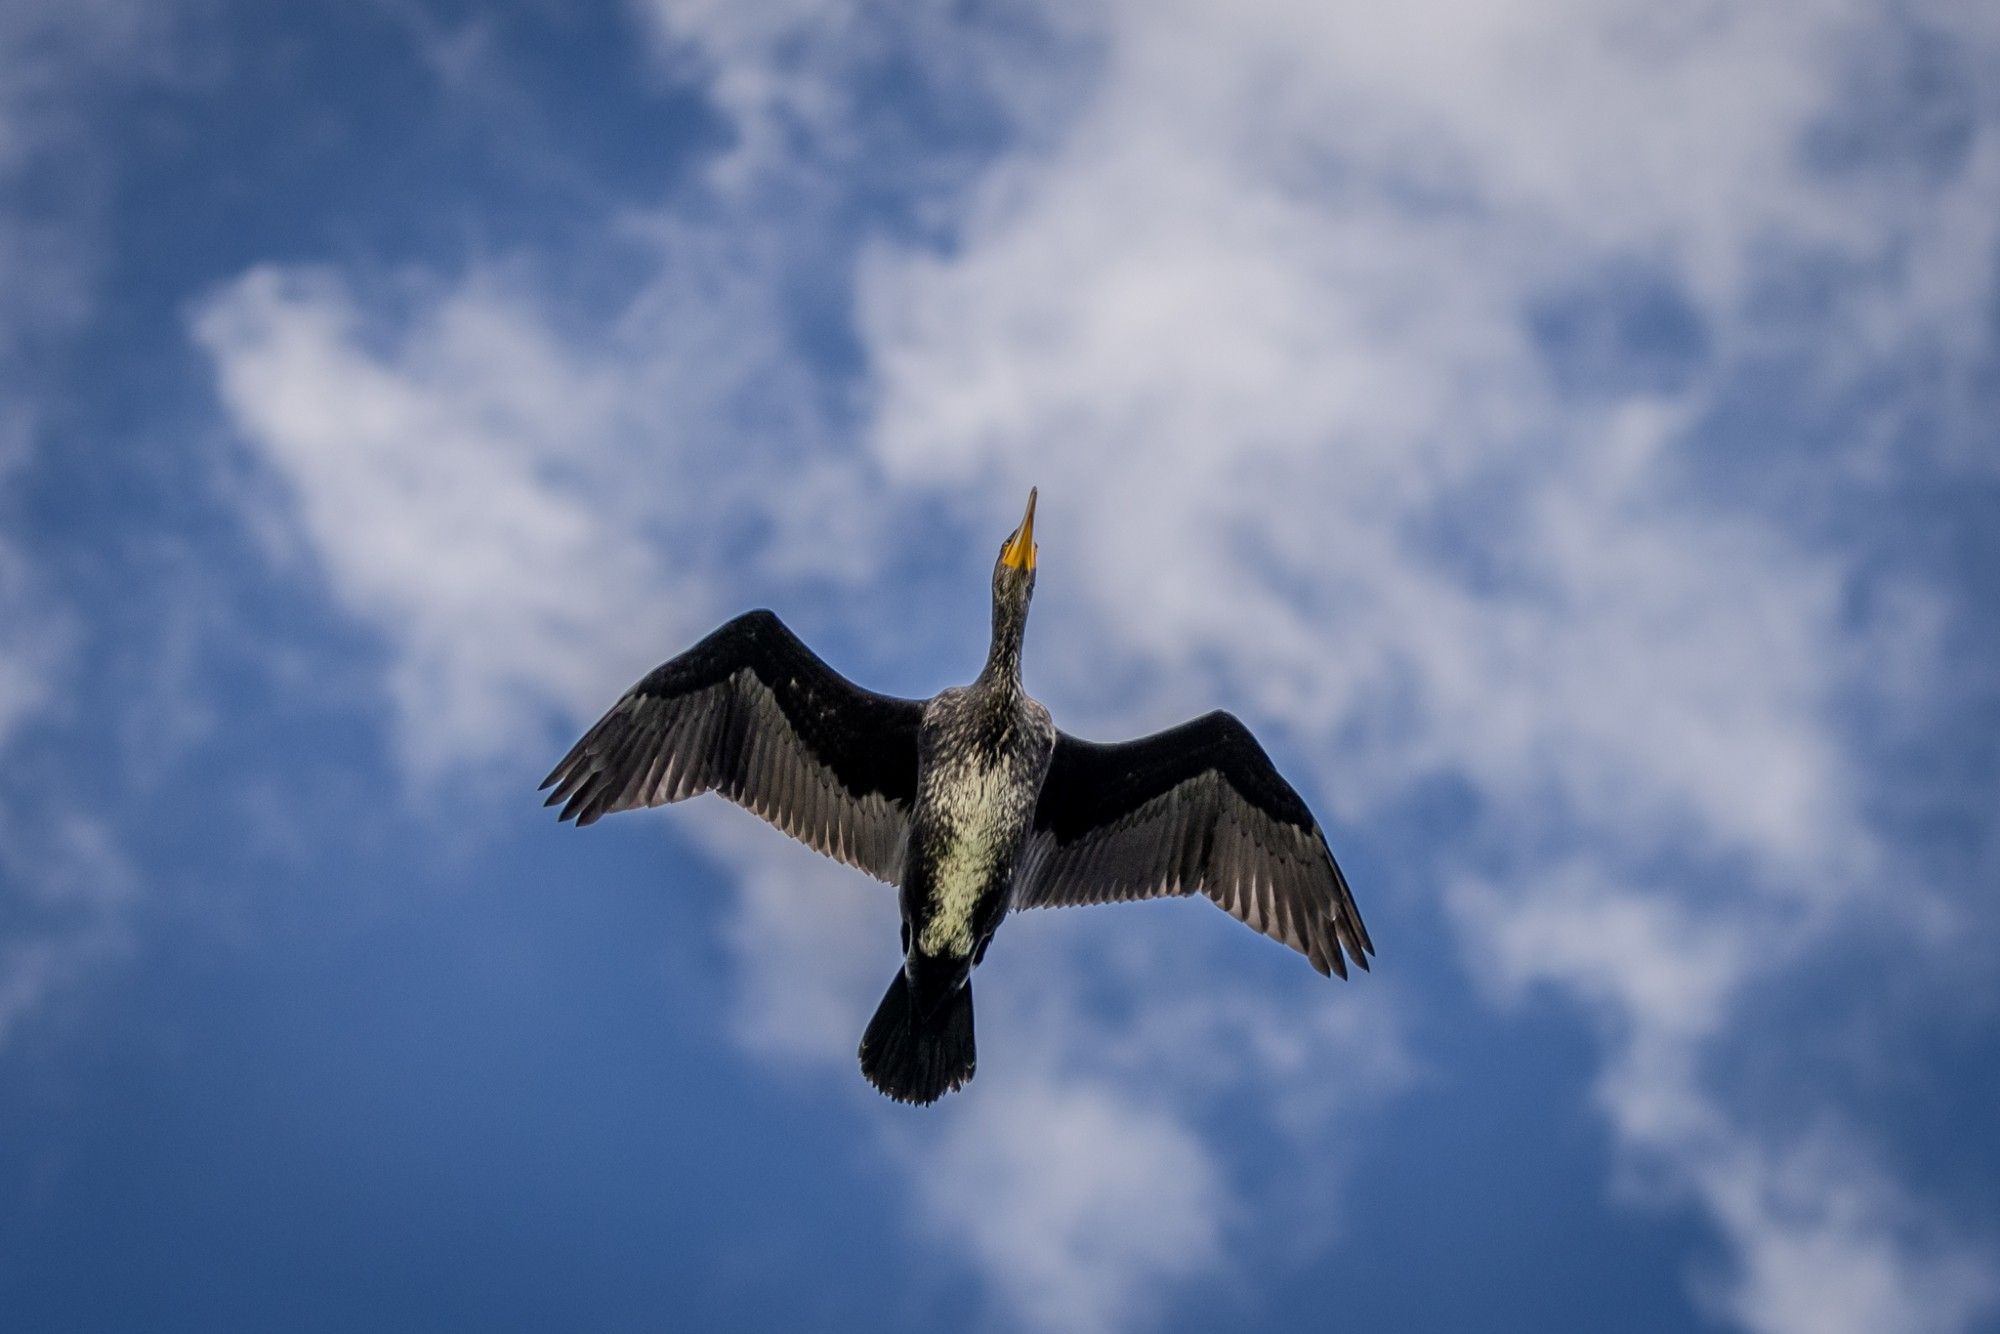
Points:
(1563, 430)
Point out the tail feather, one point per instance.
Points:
(916, 1059)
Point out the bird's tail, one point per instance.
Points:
(914, 1057)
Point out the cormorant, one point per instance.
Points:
(972, 802)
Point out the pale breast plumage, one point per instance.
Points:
(979, 823)
(983, 755)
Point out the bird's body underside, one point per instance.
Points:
(981, 755)
(980, 762)
(972, 803)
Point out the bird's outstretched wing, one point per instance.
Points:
(752, 713)
(1196, 808)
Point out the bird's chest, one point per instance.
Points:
(971, 818)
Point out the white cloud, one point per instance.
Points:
(1826, 1244)
(1255, 301)
(64, 886)
(63, 881)
(33, 639)
(54, 61)
(69, 891)
(1644, 956)
(815, 944)
(528, 518)
(1085, 1204)
(764, 67)
(1820, 1238)
(441, 488)
(798, 82)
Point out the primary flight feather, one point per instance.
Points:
(972, 802)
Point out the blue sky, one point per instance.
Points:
(1562, 430)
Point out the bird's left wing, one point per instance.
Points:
(753, 714)
(1197, 808)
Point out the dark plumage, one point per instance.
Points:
(972, 802)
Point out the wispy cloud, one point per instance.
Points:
(32, 642)
(443, 492)
(1820, 1238)
(55, 61)
(65, 887)
(1083, 1204)
(527, 512)
(69, 892)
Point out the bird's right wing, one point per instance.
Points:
(753, 714)
(1197, 808)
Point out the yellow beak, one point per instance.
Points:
(1019, 552)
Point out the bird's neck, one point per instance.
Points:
(1003, 660)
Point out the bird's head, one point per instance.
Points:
(1014, 572)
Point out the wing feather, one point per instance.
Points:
(754, 715)
(1195, 809)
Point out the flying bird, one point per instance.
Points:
(972, 802)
